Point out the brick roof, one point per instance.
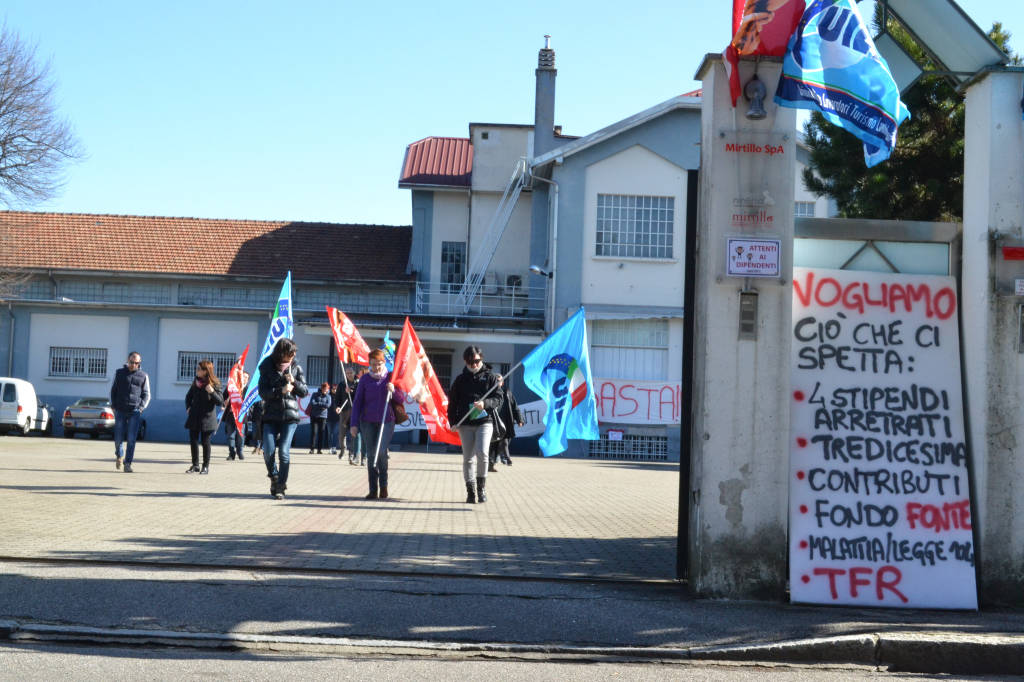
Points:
(251, 248)
(446, 161)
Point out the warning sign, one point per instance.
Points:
(753, 257)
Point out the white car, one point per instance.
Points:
(20, 411)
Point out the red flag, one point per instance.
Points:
(348, 339)
(235, 385)
(759, 27)
(414, 375)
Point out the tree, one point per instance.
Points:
(924, 177)
(35, 143)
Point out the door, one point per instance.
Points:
(8, 403)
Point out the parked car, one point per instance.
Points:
(94, 416)
(19, 409)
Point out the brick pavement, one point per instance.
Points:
(545, 518)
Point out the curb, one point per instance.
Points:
(950, 653)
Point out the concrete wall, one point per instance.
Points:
(740, 444)
(993, 368)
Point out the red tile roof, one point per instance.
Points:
(251, 248)
(694, 93)
(446, 161)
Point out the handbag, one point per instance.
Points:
(401, 416)
(499, 432)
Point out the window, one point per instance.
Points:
(189, 359)
(88, 363)
(317, 369)
(630, 349)
(634, 226)
(803, 209)
(453, 266)
(441, 361)
(10, 395)
(631, 447)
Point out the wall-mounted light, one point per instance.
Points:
(538, 270)
(755, 92)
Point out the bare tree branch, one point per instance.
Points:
(35, 143)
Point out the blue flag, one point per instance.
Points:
(280, 327)
(558, 370)
(832, 65)
(389, 351)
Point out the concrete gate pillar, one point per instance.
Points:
(992, 358)
(740, 445)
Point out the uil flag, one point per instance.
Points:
(389, 352)
(558, 370)
(347, 338)
(280, 327)
(833, 66)
(235, 387)
(414, 374)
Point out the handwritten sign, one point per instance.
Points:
(622, 401)
(753, 257)
(880, 510)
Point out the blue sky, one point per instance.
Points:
(302, 111)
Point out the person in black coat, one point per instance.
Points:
(202, 400)
(468, 408)
(281, 385)
(509, 416)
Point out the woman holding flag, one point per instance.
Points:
(373, 416)
(281, 385)
(470, 400)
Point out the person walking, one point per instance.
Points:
(203, 398)
(236, 439)
(281, 384)
(319, 406)
(255, 419)
(373, 416)
(509, 416)
(356, 446)
(333, 420)
(466, 403)
(129, 396)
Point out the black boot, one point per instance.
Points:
(470, 493)
(481, 493)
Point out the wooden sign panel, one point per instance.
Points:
(880, 510)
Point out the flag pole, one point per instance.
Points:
(491, 390)
(380, 434)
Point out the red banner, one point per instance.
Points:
(235, 385)
(348, 339)
(414, 375)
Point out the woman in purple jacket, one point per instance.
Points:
(374, 417)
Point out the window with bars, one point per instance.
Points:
(634, 447)
(441, 361)
(453, 265)
(631, 226)
(188, 360)
(114, 292)
(803, 209)
(86, 363)
(630, 349)
(317, 370)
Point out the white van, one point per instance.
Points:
(19, 409)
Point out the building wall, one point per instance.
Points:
(495, 157)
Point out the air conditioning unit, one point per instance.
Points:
(490, 285)
(513, 285)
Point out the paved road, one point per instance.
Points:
(546, 518)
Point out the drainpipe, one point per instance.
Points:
(553, 263)
(10, 341)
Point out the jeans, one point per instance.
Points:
(355, 444)
(126, 425)
(235, 440)
(317, 433)
(333, 429)
(370, 431)
(278, 436)
(476, 441)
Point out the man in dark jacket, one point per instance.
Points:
(509, 416)
(129, 396)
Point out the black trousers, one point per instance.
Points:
(319, 433)
(193, 444)
(499, 449)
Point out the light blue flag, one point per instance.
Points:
(389, 351)
(832, 65)
(281, 327)
(558, 370)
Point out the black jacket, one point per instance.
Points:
(130, 390)
(202, 408)
(278, 407)
(468, 388)
(509, 412)
(340, 399)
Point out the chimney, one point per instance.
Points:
(544, 103)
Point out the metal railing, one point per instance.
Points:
(491, 300)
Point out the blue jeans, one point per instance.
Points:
(355, 445)
(126, 426)
(235, 440)
(332, 434)
(370, 431)
(278, 436)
